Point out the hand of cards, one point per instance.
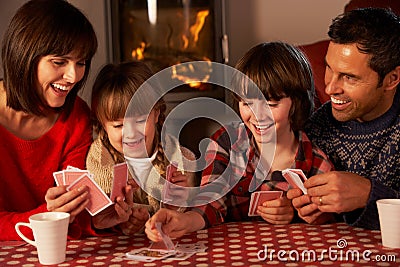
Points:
(74, 178)
(165, 249)
(259, 197)
(120, 180)
(295, 178)
(171, 168)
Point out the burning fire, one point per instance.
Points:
(138, 53)
(196, 28)
(192, 74)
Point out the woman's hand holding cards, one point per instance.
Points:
(73, 202)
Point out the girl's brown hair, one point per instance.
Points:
(112, 92)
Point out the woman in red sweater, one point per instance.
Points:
(44, 127)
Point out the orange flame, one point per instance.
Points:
(138, 52)
(192, 74)
(196, 28)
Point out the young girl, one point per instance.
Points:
(272, 116)
(113, 89)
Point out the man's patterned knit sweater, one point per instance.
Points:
(370, 149)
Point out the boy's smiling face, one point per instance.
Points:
(264, 117)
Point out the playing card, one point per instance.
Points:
(171, 168)
(165, 238)
(160, 246)
(71, 175)
(295, 178)
(179, 256)
(98, 199)
(165, 249)
(147, 255)
(119, 180)
(259, 197)
(72, 168)
(59, 177)
(191, 248)
(300, 173)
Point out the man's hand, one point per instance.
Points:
(306, 209)
(338, 191)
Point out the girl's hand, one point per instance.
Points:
(174, 224)
(136, 221)
(277, 211)
(181, 179)
(117, 213)
(176, 191)
(73, 202)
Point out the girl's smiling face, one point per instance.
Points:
(114, 133)
(139, 135)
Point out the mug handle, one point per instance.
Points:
(17, 225)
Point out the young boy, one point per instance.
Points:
(273, 116)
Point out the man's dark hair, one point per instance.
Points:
(376, 31)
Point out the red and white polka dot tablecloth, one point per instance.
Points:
(233, 244)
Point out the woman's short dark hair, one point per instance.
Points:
(376, 31)
(279, 70)
(40, 28)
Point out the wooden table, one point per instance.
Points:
(234, 244)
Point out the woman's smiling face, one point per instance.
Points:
(56, 77)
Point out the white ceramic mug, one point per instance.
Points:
(50, 230)
(389, 219)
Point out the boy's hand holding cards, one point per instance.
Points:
(165, 249)
(295, 178)
(259, 197)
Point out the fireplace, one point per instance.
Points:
(164, 33)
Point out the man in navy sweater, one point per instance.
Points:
(359, 128)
